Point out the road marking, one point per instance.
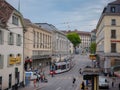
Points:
(58, 88)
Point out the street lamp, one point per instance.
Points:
(40, 67)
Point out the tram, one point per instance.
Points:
(60, 67)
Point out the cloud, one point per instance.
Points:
(79, 14)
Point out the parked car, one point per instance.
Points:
(103, 82)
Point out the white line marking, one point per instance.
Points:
(58, 88)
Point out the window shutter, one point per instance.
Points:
(8, 38)
(2, 37)
(12, 39)
(19, 40)
(1, 61)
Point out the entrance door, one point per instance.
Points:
(0, 83)
(10, 80)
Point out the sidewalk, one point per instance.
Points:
(31, 86)
(38, 85)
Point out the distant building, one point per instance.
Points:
(108, 36)
(85, 41)
(38, 46)
(11, 47)
(93, 35)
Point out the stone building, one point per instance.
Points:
(38, 46)
(85, 41)
(60, 43)
(108, 36)
(93, 35)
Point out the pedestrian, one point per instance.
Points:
(82, 85)
(34, 82)
(74, 79)
(80, 70)
(119, 86)
(112, 84)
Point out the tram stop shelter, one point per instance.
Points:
(93, 75)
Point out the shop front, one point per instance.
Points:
(41, 61)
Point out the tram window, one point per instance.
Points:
(67, 65)
(116, 68)
(63, 67)
(58, 67)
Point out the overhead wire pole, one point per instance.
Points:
(19, 5)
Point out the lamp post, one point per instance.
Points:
(40, 67)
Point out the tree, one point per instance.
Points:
(93, 48)
(74, 38)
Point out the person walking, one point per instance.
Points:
(34, 82)
(74, 79)
(82, 85)
(119, 86)
(80, 71)
(112, 84)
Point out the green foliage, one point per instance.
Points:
(74, 38)
(93, 48)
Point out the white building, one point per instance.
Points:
(60, 43)
(11, 47)
(38, 46)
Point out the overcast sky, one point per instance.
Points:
(63, 14)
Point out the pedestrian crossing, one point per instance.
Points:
(67, 77)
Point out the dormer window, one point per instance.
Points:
(113, 9)
(15, 20)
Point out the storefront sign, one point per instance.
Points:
(115, 40)
(18, 59)
(13, 60)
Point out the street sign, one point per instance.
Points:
(92, 56)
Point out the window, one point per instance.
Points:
(37, 39)
(18, 40)
(40, 40)
(113, 22)
(34, 39)
(1, 37)
(1, 61)
(10, 38)
(113, 33)
(113, 9)
(113, 47)
(15, 20)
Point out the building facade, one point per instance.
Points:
(108, 36)
(85, 41)
(38, 46)
(60, 43)
(11, 47)
(93, 36)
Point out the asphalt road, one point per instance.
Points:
(63, 81)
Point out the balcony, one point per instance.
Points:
(40, 56)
